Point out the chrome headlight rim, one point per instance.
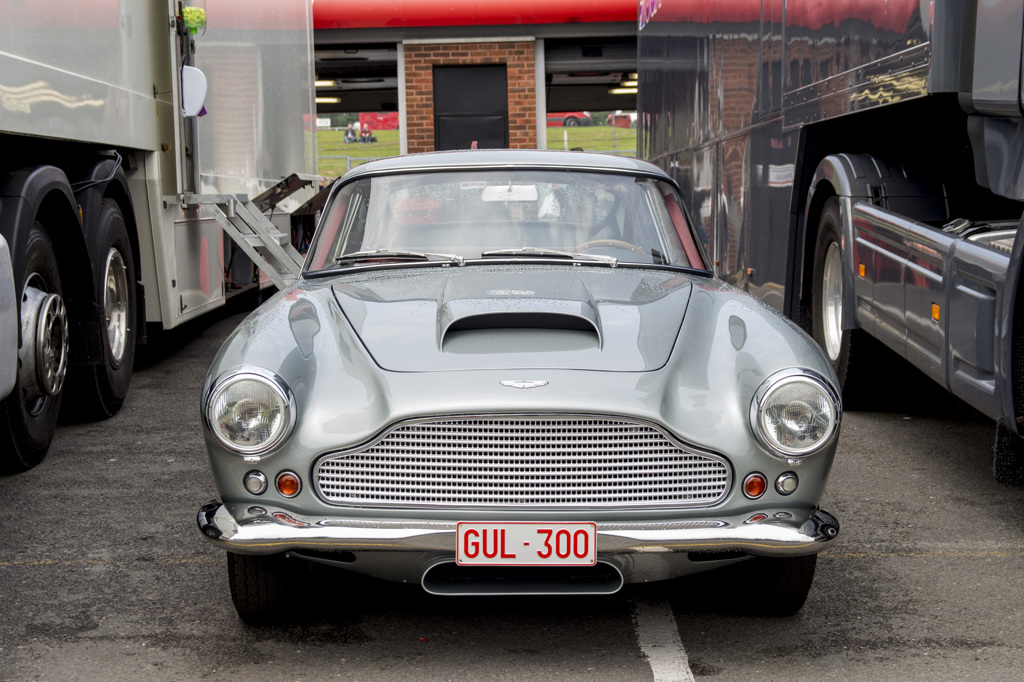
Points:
(777, 381)
(268, 378)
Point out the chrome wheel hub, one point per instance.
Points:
(43, 356)
(115, 306)
(832, 301)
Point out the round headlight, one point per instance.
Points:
(795, 413)
(250, 411)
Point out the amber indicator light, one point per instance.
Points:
(754, 486)
(288, 484)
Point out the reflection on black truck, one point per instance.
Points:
(858, 166)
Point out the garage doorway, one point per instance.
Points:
(471, 107)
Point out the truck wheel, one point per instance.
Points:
(99, 391)
(784, 583)
(827, 299)
(259, 586)
(1009, 456)
(28, 417)
(571, 122)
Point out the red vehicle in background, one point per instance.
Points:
(568, 119)
(382, 120)
(622, 119)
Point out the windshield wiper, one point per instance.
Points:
(533, 252)
(357, 256)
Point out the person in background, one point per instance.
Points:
(366, 136)
(350, 133)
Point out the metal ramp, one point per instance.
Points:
(244, 221)
(266, 246)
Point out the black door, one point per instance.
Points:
(471, 107)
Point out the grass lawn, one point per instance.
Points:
(331, 143)
(594, 139)
(336, 156)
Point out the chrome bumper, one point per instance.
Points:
(233, 528)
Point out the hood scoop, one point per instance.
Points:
(555, 313)
(507, 317)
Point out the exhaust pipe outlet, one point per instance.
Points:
(449, 579)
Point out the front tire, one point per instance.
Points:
(571, 122)
(828, 299)
(260, 586)
(778, 586)
(28, 416)
(1008, 462)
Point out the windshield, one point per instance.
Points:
(466, 215)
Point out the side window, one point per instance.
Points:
(327, 235)
(341, 227)
(682, 227)
(354, 225)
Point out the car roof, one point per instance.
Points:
(505, 158)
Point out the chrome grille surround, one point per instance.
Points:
(523, 461)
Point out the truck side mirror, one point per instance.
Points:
(193, 91)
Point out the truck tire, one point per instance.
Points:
(570, 122)
(1008, 464)
(104, 386)
(827, 302)
(259, 586)
(28, 416)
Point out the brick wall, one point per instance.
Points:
(420, 61)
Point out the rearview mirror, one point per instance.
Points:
(509, 193)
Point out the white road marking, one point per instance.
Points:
(658, 635)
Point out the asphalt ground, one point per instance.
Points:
(103, 574)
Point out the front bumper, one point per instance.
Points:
(779, 533)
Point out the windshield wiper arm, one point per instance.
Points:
(357, 256)
(533, 252)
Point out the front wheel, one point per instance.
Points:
(827, 301)
(260, 585)
(1008, 463)
(779, 585)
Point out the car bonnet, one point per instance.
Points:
(516, 316)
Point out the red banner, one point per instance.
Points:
(419, 13)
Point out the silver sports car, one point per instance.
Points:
(514, 372)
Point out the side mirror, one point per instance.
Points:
(193, 91)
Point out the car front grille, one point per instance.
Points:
(523, 461)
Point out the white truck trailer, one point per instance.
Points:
(132, 135)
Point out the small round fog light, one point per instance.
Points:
(288, 484)
(754, 486)
(255, 482)
(786, 483)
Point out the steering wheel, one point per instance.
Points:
(618, 243)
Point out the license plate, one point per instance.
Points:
(526, 544)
